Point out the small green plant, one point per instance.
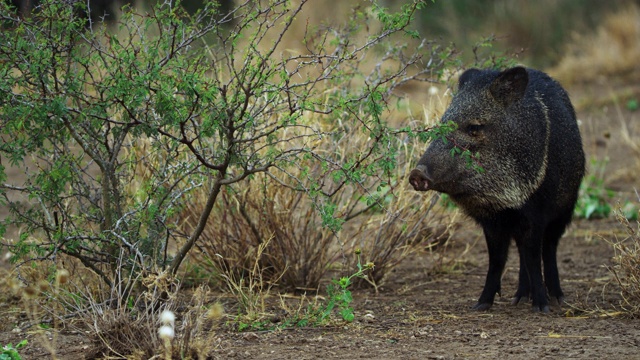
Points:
(9, 352)
(593, 198)
(340, 296)
(259, 325)
(629, 210)
(633, 105)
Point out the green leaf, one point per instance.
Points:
(347, 314)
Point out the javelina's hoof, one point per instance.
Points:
(518, 299)
(556, 301)
(482, 306)
(542, 309)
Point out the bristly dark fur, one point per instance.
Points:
(523, 127)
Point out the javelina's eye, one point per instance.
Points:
(474, 129)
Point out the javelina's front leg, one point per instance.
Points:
(498, 246)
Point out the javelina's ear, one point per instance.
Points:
(466, 76)
(510, 85)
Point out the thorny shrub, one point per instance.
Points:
(214, 104)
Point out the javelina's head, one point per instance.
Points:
(503, 123)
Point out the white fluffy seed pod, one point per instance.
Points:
(166, 332)
(168, 318)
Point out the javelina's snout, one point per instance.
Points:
(419, 178)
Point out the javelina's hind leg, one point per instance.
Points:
(529, 244)
(524, 287)
(551, 239)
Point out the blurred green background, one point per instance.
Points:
(540, 34)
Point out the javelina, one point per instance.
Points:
(523, 127)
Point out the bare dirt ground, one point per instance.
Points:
(423, 311)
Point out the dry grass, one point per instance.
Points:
(413, 222)
(298, 248)
(121, 321)
(613, 50)
(630, 135)
(626, 264)
(134, 335)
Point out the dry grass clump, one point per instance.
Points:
(121, 321)
(299, 249)
(128, 325)
(613, 50)
(626, 264)
(412, 222)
